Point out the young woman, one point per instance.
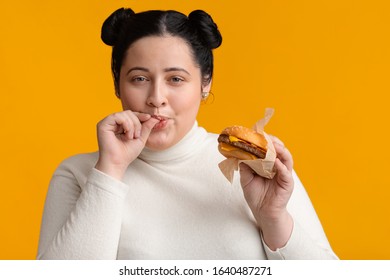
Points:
(154, 189)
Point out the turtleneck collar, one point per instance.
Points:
(184, 147)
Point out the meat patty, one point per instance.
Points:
(248, 147)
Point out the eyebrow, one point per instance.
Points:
(137, 68)
(170, 69)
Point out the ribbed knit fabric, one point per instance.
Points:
(174, 204)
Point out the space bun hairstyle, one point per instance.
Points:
(123, 27)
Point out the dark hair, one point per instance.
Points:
(123, 27)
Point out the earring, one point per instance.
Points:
(205, 95)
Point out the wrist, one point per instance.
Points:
(112, 170)
(277, 230)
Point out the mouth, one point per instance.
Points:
(163, 122)
(160, 118)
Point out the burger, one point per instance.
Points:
(242, 143)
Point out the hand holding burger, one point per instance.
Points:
(266, 197)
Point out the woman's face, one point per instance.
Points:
(159, 77)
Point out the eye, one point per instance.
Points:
(139, 79)
(176, 79)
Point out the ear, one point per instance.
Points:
(207, 87)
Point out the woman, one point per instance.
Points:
(154, 190)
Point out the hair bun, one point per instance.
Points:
(207, 28)
(112, 26)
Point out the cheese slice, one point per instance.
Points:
(227, 147)
(234, 139)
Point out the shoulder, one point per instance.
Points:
(212, 138)
(211, 143)
(207, 136)
(77, 165)
(71, 174)
(209, 153)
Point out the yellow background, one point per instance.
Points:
(323, 66)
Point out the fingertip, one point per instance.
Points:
(279, 165)
(155, 121)
(284, 155)
(276, 140)
(282, 169)
(278, 146)
(147, 127)
(143, 116)
(150, 122)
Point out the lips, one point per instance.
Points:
(163, 121)
(160, 118)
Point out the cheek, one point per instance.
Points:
(131, 99)
(185, 104)
(186, 107)
(132, 102)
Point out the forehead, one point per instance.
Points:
(160, 50)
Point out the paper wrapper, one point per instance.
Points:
(263, 167)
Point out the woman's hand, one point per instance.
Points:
(121, 138)
(268, 198)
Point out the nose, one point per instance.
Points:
(157, 96)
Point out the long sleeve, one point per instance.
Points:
(172, 204)
(82, 221)
(308, 240)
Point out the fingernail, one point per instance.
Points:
(138, 134)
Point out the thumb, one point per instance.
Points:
(147, 127)
(246, 174)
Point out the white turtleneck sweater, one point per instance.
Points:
(174, 204)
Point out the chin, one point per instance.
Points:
(158, 142)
